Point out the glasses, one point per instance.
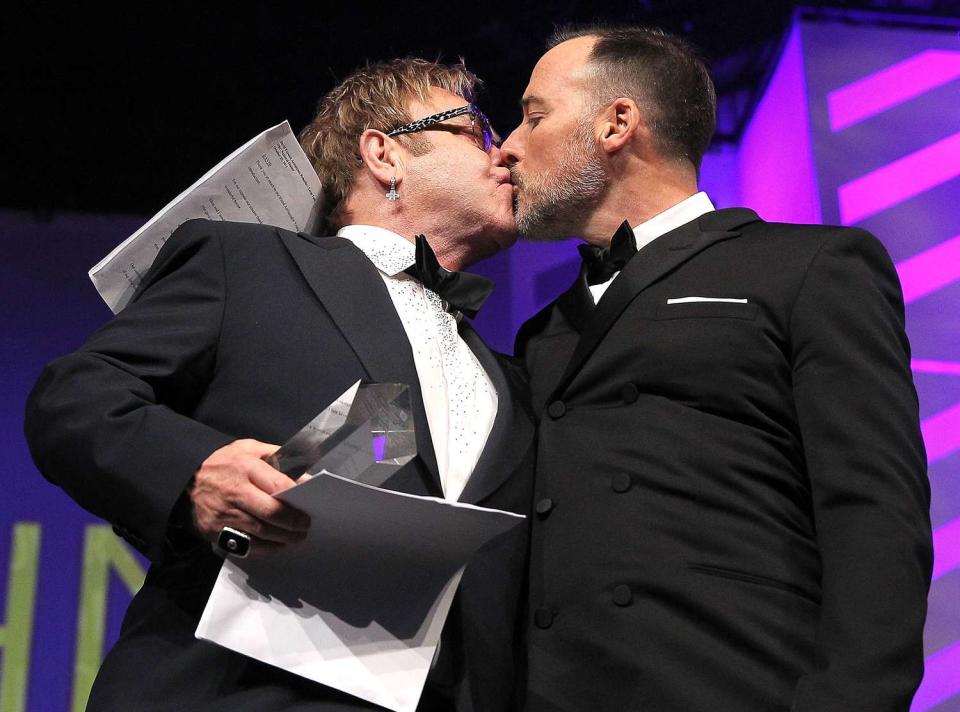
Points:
(478, 122)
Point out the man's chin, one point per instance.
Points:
(538, 237)
(509, 239)
(505, 237)
(543, 231)
(493, 240)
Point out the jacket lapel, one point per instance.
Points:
(651, 263)
(364, 313)
(576, 304)
(512, 431)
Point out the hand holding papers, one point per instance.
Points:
(360, 604)
(268, 180)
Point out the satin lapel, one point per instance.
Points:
(352, 291)
(576, 304)
(652, 262)
(512, 431)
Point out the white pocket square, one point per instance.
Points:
(688, 300)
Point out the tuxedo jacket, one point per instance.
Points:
(731, 502)
(247, 331)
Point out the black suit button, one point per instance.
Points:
(556, 409)
(544, 506)
(621, 482)
(622, 595)
(629, 393)
(543, 617)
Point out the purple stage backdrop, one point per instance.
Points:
(872, 114)
(859, 125)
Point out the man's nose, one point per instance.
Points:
(510, 149)
(496, 155)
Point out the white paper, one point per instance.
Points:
(267, 180)
(360, 604)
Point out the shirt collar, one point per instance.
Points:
(390, 253)
(670, 219)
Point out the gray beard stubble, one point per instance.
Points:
(557, 203)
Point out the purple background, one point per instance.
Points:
(791, 165)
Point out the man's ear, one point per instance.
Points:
(382, 156)
(621, 124)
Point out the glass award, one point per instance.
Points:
(365, 435)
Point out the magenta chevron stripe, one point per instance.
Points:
(891, 86)
(930, 270)
(896, 182)
(946, 548)
(949, 368)
(940, 679)
(941, 433)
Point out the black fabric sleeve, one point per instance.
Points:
(110, 422)
(858, 415)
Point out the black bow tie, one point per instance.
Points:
(462, 291)
(603, 262)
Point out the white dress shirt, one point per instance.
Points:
(459, 399)
(670, 219)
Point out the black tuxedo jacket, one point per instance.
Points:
(731, 497)
(248, 331)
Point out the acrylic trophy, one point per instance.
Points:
(365, 435)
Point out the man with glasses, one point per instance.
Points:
(241, 333)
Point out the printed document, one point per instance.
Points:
(268, 180)
(360, 604)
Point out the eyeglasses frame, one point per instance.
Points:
(427, 121)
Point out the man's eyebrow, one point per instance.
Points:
(530, 99)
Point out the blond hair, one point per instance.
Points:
(373, 97)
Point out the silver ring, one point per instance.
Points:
(234, 542)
